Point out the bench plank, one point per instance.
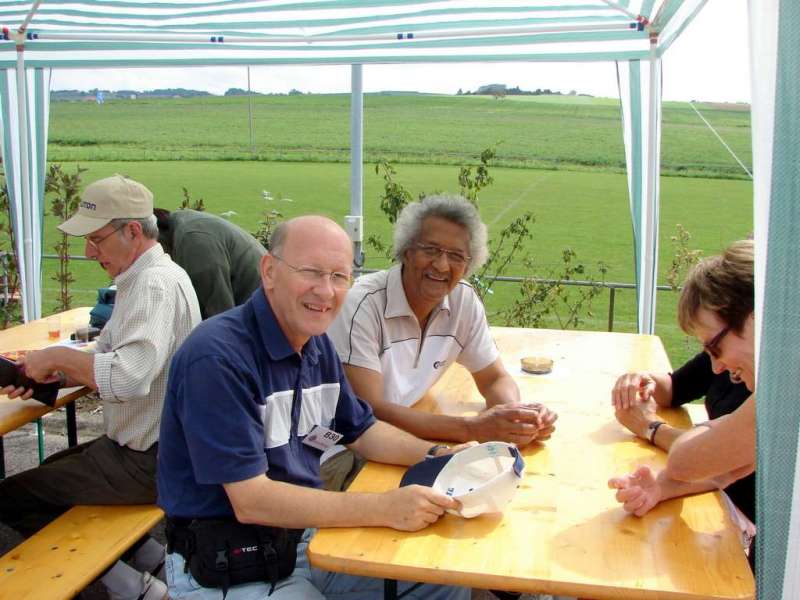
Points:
(72, 551)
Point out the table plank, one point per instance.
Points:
(33, 336)
(564, 533)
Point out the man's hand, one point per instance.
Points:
(638, 492)
(414, 507)
(518, 424)
(547, 421)
(631, 389)
(17, 392)
(637, 417)
(39, 366)
(35, 367)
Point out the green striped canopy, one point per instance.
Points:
(187, 32)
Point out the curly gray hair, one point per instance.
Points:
(452, 208)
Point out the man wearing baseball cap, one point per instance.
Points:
(155, 309)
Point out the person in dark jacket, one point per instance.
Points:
(692, 381)
(221, 258)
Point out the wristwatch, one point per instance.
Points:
(652, 427)
(434, 449)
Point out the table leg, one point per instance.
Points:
(2, 459)
(72, 426)
(40, 439)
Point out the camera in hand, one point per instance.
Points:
(13, 374)
(85, 334)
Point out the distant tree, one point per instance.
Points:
(459, 92)
(294, 92)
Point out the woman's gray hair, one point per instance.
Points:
(451, 208)
(149, 225)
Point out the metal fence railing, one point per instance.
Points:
(612, 286)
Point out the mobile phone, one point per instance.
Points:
(13, 374)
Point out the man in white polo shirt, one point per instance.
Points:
(155, 309)
(401, 328)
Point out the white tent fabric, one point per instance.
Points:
(640, 94)
(24, 116)
(775, 60)
(106, 33)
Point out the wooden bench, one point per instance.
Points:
(72, 551)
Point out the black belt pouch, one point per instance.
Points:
(227, 553)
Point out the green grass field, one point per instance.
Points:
(553, 132)
(585, 211)
(561, 157)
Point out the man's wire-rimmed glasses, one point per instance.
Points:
(339, 280)
(96, 243)
(454, 257)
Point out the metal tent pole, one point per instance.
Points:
(354, 221)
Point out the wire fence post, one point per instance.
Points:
(611, 294)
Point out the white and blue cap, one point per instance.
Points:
(484, 478)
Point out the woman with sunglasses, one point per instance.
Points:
(716, 306)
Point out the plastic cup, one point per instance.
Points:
(54, 327)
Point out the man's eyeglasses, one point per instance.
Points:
(340, 281)
(96, 243)
(454, 257)
(712, 345)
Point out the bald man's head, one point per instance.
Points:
(306, 275)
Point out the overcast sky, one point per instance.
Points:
(709, 61)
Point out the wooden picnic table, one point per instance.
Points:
(564, 533)
(34, 336)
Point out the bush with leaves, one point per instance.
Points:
(551, 301)
(271, 219)
(187, 202)
(65, 190)
(683, 257)
(10, 313)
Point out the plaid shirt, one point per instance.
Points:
(155, 309)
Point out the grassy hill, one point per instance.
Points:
(551, 132)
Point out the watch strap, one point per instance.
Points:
(653, 428)
(434, 449)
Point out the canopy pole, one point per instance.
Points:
(354, 221)
(250, 113)
(310, 40)
(650, 246)
(28, 300)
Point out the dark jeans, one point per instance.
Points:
(97, 472)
